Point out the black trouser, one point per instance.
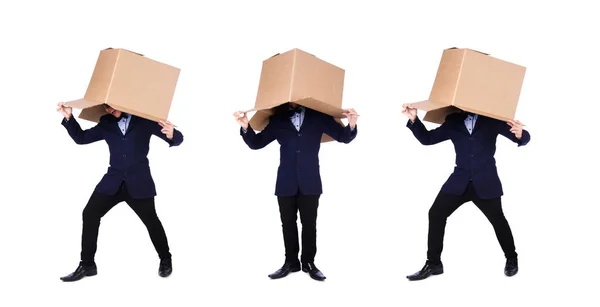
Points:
(288, 208)
(99, 204)
(445, 204)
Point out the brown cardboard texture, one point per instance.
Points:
(128, 82)
(475, 82)
(299, 77)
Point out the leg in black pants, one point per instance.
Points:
(146, 211)
(308, 206)
(492, 209)
(97, 206)
(288, 209)
(100, 204)
(443, 206)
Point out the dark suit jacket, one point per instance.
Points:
(474, 153)
(128, 153)
(299, 152)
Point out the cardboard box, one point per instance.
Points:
(299, 77)
(128, 82)
(475, 82)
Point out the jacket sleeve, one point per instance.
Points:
(427, 137)
(81, 136)
(338, 132)
(504, 129)
(156, 130)
(258, 140)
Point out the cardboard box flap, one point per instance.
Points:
(265, 107)
(260, 119)
(428, 105)
(147, 116)
(93, 114)
(438, 116)
(82, 104)
(90, 110)
(322, 107)
(488, 114)
(436, 111)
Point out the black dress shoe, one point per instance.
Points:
(427, 270)
(312, 270)
(81, 272)
(285, 270)
(165, 268)
(512, 267)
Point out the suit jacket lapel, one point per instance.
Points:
(132, 121)
(307, 113)
(113, 125)
(478, 123)
(460, 123)
(288, 123)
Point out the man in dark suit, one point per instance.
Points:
(298, 130)
(128, 179)
(475, 179)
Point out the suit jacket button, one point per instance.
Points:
(297, 151)
(299, 134)
(471, 155)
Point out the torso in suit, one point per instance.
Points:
(128, 142)
(475, 150)
(300, 138)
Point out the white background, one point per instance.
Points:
(216, 196)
